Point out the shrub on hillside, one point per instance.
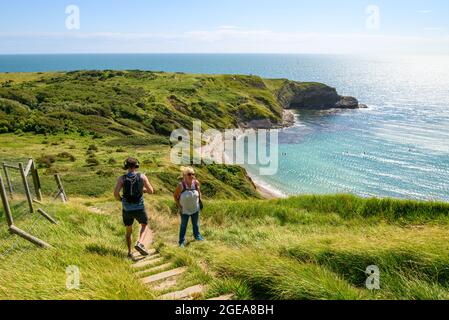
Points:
(92, 162)
(46, 161)
(138, 141)
(67, 155)
(92, 147)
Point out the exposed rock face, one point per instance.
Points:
(288, 118)
(258, 124)
(302, 95)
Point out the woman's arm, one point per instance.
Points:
(199, 188)
(177, 196)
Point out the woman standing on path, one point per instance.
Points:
(188, 199)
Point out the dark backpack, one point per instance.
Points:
(133, 188)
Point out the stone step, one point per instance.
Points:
(154, 269)
(223, 298)
(151, 260)
(164, 275)
(188, 293)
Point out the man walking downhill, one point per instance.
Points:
(134, 185)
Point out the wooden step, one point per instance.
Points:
(155, 269)
(188, 293)
(150, 251)
(223, 298)
(167, 284)
(138, 257)
(164, 275)
(151, 260)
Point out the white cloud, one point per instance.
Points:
(226, 39)
(425, 11)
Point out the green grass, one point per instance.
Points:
(319, 247)
(92, 242)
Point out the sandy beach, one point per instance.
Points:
(214, 151)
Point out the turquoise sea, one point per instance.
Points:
(398, 147)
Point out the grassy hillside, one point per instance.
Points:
(131, 103)
(90, 167)
(312, 247)
(305, 247)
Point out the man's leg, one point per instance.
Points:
(183, 229)
(129, 233)
(143, 232)
(142, 218)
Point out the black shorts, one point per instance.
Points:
(129, 216)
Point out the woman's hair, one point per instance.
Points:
(186, 170)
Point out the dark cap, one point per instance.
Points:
(132, 163)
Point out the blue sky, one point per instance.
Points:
(263, 26)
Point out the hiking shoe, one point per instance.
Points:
(182, 245)
(141, 249)
(130, 256)
(199, 238)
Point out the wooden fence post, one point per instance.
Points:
(61, 190)
(8, 180)
(5, 202)
(29, 237)
(47, 216)
(27, 188)
(36, 181)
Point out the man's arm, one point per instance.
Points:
(118, 188)
(148, 188)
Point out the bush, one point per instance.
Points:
(67, 155)
(138, 141)
(92, 162)
(92, 147)
(105, 173)
(46, 161)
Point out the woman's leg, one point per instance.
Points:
(183, 228)
(196, 226)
